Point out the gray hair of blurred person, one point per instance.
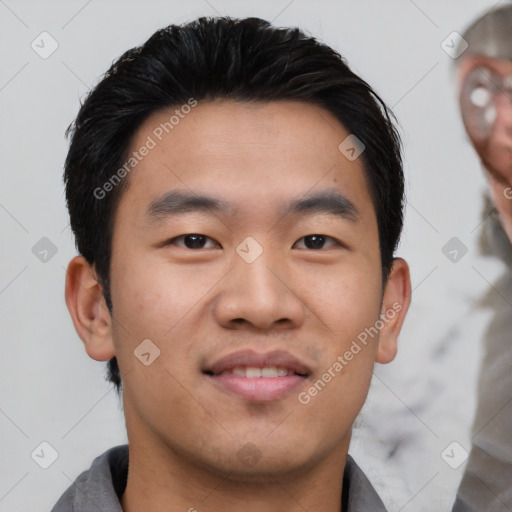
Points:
(490, 34)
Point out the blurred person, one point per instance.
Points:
(484, 77)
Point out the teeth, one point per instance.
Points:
(252, 373)
(269, 372)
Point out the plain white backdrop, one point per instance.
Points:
(52, 392)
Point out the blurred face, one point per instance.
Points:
(245, 262)
(485, 93)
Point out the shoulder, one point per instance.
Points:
(358, 493)
(103, 483)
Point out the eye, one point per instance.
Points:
(480, 96)
(316, 242)
(193, 241)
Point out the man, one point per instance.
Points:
(236, 194)
(485, 94)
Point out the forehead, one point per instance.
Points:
(472, 61)
(253, 153)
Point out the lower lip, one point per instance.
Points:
(259, 389)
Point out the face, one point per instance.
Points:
(246, 251)
(485, 94)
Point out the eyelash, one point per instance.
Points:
(326, 237)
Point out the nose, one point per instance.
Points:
(259, 295)
(503, 124)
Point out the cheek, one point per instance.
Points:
(138, 299)
(346, 296)
(151, 301)
(334, 399)
(348, 301)
(151, 295)
(347, 307)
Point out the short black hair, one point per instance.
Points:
(219, 58)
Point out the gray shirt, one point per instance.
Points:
(100, 488)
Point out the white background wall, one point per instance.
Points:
(51, 391)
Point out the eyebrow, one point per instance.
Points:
(328, 201)
(178, 202)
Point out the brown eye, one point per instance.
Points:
(317, 241)
(192, 241)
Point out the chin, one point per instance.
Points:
(265, 470)
(261, 461)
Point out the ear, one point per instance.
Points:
(395, 303)
(86, 305)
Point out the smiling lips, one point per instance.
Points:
(258, 377)
(253, 372)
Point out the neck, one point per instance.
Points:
(159, 479)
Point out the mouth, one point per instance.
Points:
(258, 377)
(253, 372)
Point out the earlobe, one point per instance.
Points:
(395, 303)
(86, 305)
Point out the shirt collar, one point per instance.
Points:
(101, 487)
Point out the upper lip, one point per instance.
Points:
(252, 359)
